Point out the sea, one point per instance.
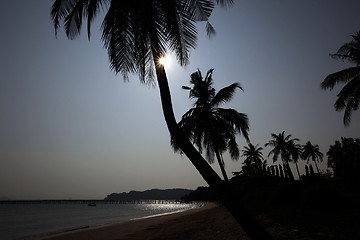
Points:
(32, 220)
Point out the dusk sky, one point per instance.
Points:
(70, 128)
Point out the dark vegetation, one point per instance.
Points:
(208, 125)
(349, 96)
(322, 205)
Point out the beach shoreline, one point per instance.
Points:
(211, 221)
(125, 229)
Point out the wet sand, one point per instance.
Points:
(209, 222)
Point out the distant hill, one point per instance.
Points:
(153, 194)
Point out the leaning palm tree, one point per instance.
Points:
(280, 146)
(310, 151)
(253, 158)
(137, 34)
(208, 125)
(349, 96)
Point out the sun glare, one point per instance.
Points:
(165, 61)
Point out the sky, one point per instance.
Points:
(70, 128)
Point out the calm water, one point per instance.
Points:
(20, 220)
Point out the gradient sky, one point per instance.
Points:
(71, 128)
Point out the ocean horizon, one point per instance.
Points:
(33, 219)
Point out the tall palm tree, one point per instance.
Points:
(137, 34)
(280, 144)
(253, 158)
(208, 125)
(310, 151)
(294, 152)
(349, 96)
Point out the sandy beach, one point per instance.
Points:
(208, 222)
(214, 222)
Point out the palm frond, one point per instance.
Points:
(225, 3)
(208, 77)
(210, 30)
(349, 99)
(349, 51)
(239, 122)
(351, 105)
(341, 76)
(225, 94)
(233, 149)
(180, 29)
(119, 39)
(199, 10)
(73, 21)
(186, 88)
(275, 154)
(58, 11)
(69, 11)
(93, 9)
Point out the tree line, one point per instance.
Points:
(343, 158)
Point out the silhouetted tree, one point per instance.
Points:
(310, 151)
(280, 144)
(281, 171)
(294, 151)
(306, 170)
(254, 161)
(277, 171)
(349, 96)
(344, 159)
(272, 170)
(268, 170)
(311, 170)
(208, 125)
(137, 34)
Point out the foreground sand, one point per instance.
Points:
(209, 222)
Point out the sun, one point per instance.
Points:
(165, 61)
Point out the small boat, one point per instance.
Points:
(91, 204)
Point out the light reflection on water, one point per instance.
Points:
(158, 209)
(19, 220)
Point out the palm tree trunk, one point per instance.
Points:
(288, 169)
(317, 168)
(246, 220)
(222, 167)
(297, 169)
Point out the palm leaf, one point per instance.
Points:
(348, 98)
(60, 10)
(210, 30)
(181, 37)
(186, 88)
(73, 21)
(200, 10)
(225, 3)
(225, 94)
(342, 76)
(235, 120)
(349, 51)
(233, 149)
(119, 39)
(92, 10)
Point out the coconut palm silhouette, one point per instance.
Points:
(210, 126)
(137, 34)
(349, 96)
